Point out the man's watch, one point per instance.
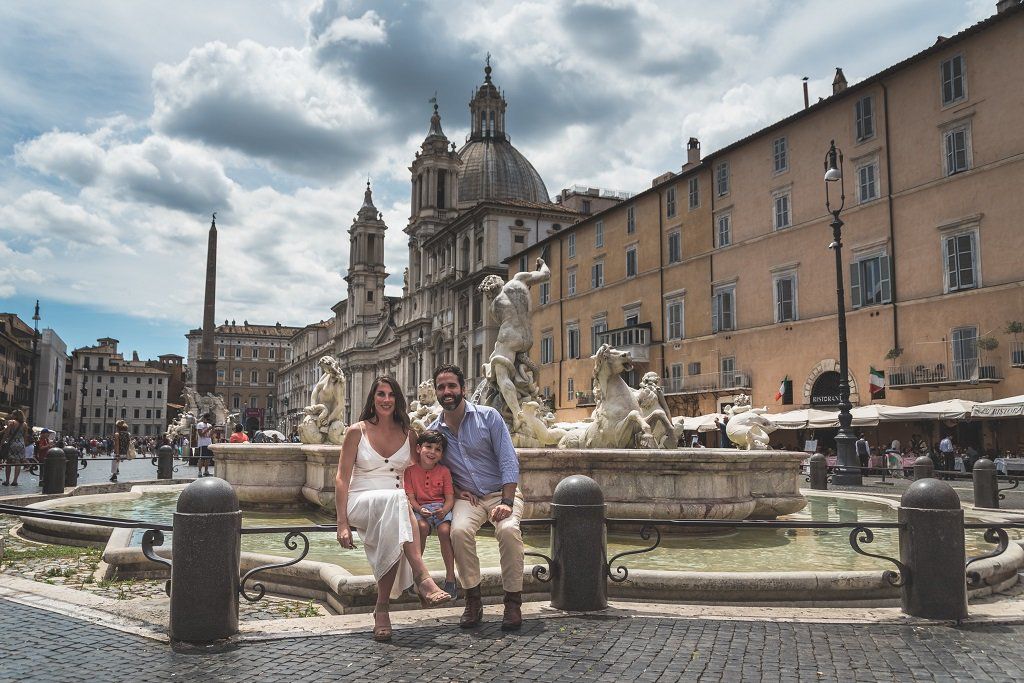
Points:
(507, 501)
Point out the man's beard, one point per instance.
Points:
(456, 401)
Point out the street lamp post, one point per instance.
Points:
(419, 360)
(845, 439)
(287, 418)
(35, 365)
(81, 408)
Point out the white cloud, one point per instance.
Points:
(369, 29)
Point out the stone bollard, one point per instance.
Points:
(55, 466)
(818, 468)
(924, 468)
(578, 574)
(164, 462)
(986, 486)
(932, 547)
(71, 467)
(205, 563)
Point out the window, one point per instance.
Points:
(781, 214)
(723, 233)
(149, 413)
(159, 394)
(570, 389)
(97, 413)
(270, 376)
(149, 394)
(138, 393)
(675, 383)
(369, 297)
(571, 278)
(864, 112)
(727, 366)
(867, 182)
(238, 375)
(255, 352)
(670, 202)
(124, 393)
(158, 411)
(694, 191)
(272, 353)
(523, 266)
(869, 281)
(110, 393)
(956, 142)
(572, 340)
(675, 250)
(953, 88)
(149, 382)
(545, 292)
(961, 255)
(110, 413)
(238, 352)
(254, 377)
(124, 413)
(236, 401)
(965, 353)
(630, 220)
(599, 234)
(785, 297)
(632, 318)
(585, 206)
(631, 262)
(597, 275)
(99, 392)
(723, 305)
(220, 352)
(722, 178)
(572, 245)
(160, 380)
(780, 155)
(547, 349)
(220, 376)
(674, 319)
(136, 413)
(600, 325)
(138, 380)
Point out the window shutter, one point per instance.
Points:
(716, 301)
(951, 269)
(727, 312)
(950, 153)
(883, 276)
(855, 298)
(965, 261)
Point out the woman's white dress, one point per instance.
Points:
(379, 510)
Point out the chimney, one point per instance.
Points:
(839, 82)
(1003, 5)
(693, 151)
(135, 356)
(807, 97)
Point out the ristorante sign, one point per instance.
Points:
(825, 391)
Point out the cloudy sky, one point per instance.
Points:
(123, 125)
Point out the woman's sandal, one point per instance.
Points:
(382, 634)
(438, 597)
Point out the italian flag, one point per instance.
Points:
(877, 383)
(782, 388)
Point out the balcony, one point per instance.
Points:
(636, 339)
(1017, 354)
(585, 398)
(981, 370)
(710, 383)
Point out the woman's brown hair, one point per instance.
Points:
(401, 415)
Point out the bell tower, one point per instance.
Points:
(487, 110)
(366, 274)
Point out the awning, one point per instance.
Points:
(953, 409)
(702, 423)
(1002, 407)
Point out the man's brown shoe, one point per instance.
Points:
(513, 617)
(474, 611)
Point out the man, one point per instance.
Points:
(205, 433)
(948, 452)
(863, 450)
(485, 473)
(723, 435)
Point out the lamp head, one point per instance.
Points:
(833, 170)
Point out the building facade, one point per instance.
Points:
(297, 377)
(720, 278)
(49, 399)
(15, 365)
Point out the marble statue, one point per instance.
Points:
(747, 427)
(425, 408)
(195, 407)
(654, 407)
(324, 420)
(510, 374)
(536, 431)
(617, 421)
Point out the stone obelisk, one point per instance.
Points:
(206, 372)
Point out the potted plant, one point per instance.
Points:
(894, 353)
(1015, 327)
(988, 343)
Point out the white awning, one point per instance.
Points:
(1002, 407)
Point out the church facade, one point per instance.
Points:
(471, 209)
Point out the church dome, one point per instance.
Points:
(493, 169)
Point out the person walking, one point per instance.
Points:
(13, 441)
(863, 451)
(204, 440)
(485, 473)
(119, 445)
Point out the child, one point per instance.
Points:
(238, 436)
(432, 496)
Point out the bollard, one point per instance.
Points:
(55, 466)
(924, 468)
(71, 468)
(932, 547)
(986, 487)
(205, 562)
(165, 462)
(818, 468)
(578, 573)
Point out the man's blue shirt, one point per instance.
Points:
(481, 458)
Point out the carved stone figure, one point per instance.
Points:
(747, 427)
(195, 407)
(509, 373)
(617, 420)
(536, 431)
(425, 408)
(325, 416)
(651, 397)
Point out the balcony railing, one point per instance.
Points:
(983, 369)
(1017, 354)
(636, 339)
(709, 383)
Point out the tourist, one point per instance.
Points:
(205, 439)
(43, 446)
(15, 437)
(120, 446)
(894, 459)
(723, 437)
(428, 484)
(947, 454)
(369, 495)
(863, 449)
(239, 436)
(485, 472)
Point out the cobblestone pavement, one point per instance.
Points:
(549, 649)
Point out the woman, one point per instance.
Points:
(894, 459)
(238, 436)
(370, 495)
(12, 446)
(120, 443)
